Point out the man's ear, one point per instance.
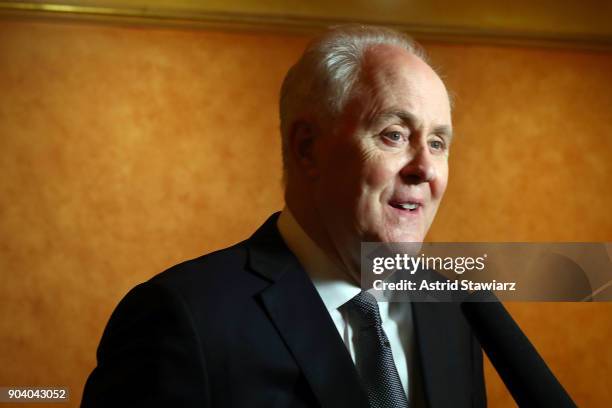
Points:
(301, 143)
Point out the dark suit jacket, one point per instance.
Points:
(245, 327)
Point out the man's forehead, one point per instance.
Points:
(394, 80)
(392, 61)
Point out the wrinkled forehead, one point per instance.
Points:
(392, 77)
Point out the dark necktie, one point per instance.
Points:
(373, 356)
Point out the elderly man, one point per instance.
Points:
(279, 320)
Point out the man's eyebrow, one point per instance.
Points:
(412, 121)
(405, 116)
(444, 130)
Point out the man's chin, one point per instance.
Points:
(404, 236)
(391, 235)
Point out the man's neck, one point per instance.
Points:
(317, 262)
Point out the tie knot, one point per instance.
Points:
(363, 309)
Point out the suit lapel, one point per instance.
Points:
(298, 313)
(442, 344)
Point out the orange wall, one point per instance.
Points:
(126, 150)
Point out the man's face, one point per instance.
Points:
(383, 168)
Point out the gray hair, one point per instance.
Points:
(320, 83)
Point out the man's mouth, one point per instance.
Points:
(407, 206)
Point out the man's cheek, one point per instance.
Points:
(438, 186)
(377, 176)
(441, 188)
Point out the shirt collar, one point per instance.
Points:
(333, 284)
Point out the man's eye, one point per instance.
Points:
(394, 136)
(436, 144)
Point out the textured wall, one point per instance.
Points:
(126, 150)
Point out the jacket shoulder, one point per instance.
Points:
(212, 277)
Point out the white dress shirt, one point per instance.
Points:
(335, 288)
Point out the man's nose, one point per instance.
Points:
(419, 167)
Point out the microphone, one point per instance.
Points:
(517, 362)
